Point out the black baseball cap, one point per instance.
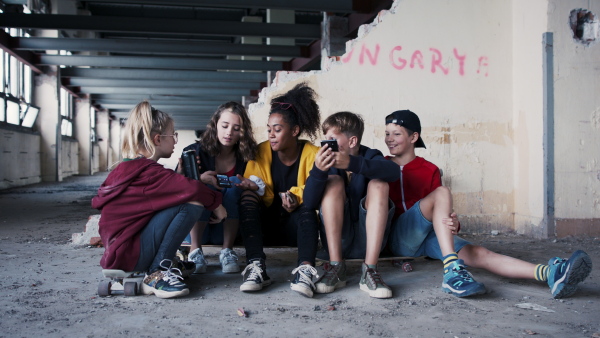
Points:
(408, 120)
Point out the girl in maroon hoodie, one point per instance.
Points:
(147, 210)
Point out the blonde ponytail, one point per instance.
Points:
(142, 123)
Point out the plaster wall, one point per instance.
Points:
(528, 101)
(577, 124)
(20, 158)
(453, 67)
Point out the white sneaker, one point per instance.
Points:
(229, 261)
(197, 256)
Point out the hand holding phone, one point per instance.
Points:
(333, 145)
(223, 181)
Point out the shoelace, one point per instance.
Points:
(168, 275)
(331, 271)
(230, 257)
(306, 272)
(255, 272)
(198, 257)
(463, 273)
(375, 277)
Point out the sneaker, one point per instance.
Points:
(334, 278)
(303, 283)
(184, 267)
(564, 274)
(459, 282)
(164, 284)
(197, 256)
(255, 276)
(229, 261)
(372, 283)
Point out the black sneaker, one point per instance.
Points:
(183, 268)
(164, 284)
(255, 276)
(303, 282)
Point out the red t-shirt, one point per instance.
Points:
(418, 179)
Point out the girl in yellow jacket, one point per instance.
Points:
(274, 215)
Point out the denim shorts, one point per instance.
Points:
(354, 234)
(412, 235)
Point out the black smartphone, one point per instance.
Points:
(223, 181)
(333, 145)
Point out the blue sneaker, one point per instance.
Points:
(459, 282)
(564, 274)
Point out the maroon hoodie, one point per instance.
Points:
(132, 193)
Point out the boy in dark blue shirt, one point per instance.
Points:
(351, 188)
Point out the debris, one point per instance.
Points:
(532, 306)
(495, 232)
(241, 312)
(280, 309)
(330, 308)
(596, 335)
(529, 332)
(317, 308)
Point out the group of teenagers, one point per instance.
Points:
(287, 191)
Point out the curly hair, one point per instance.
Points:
(299, 108)
(246, 147)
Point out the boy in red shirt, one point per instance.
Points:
(424, 224)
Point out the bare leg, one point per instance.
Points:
(376, 204)
(196, 235)
(480, 257)
(230, 229)
(333, 217)
(434, 207)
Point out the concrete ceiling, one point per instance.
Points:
(185, 57)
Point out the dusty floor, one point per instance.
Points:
(48, 288)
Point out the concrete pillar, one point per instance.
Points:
(81, 131)
(103, 138)
(114, 143)
(46, 97)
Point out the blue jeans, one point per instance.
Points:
(163, 235)
(412, 235)
(213, 233)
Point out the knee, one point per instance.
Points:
(334, 185)
(379, 188)
(442, 193)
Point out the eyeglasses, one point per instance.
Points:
(395, 121)
(175, 136)
(283, 105)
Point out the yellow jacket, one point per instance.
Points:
(261, 167)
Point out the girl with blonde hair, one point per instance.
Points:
(146, 209)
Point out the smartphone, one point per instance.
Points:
(286, 195)
(223, 181)
(333, 145)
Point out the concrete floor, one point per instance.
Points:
(48, 287)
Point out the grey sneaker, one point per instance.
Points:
(371, 282)
(229, 261)
(334, 278)
(255, 276)
(303, 282)
(197, 256)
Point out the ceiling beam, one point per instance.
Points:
(158, 25)
(157, 62)
(163, 74)
(157, 83)
(200, 92)
(338, 6)
(146, 46)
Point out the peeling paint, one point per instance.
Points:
(595, 118)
